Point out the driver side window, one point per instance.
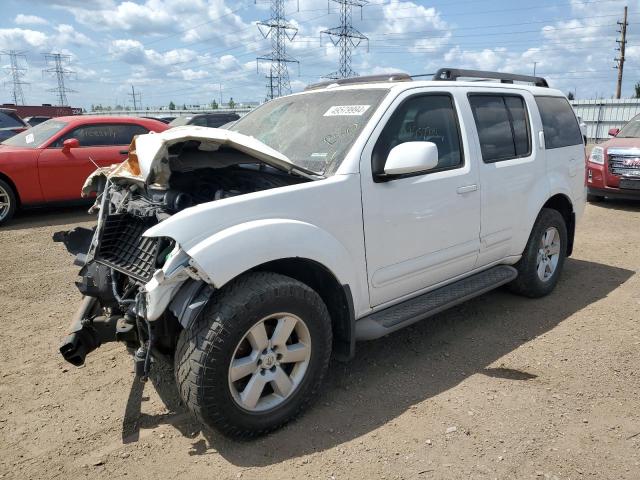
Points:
(422, 118)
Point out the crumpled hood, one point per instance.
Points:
(147, 162)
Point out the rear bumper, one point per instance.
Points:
(615, 193)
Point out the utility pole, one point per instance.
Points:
(279, 30)
(137, 98)
(56, 62)
(623, 43)
(16, 72)
(534, 68)
(346, 37)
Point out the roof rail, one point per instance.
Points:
(455, 73)
(387, 77)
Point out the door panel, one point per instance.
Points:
(62, 173)
(423, 229)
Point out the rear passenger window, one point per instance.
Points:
(503, 126)
(559, 123)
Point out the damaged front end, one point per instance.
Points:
(143, 290)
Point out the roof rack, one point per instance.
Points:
(387, 77)
(455, 73)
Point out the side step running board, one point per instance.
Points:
(394, 318)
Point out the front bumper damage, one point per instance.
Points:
(140, 317)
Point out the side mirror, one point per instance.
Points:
(70, 143)
(411, 157)
(614, 132)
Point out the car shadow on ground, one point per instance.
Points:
(618, 204)
(49, 216)
(391, 374)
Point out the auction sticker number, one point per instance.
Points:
(346, 110)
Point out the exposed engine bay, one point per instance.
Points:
(119, 263)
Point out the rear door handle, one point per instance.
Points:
(467, 189)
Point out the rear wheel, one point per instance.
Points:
(256, 356)
(7, 202)
(543, 257)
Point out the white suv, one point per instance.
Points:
(343, 213)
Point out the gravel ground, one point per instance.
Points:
(501, 387)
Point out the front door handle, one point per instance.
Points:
(467, 189)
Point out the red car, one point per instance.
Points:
(50, 162)
(613, 169)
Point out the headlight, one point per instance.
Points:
(597, 155)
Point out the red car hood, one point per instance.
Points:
(621, 143)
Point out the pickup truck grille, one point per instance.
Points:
(123, 247)
(624, 165)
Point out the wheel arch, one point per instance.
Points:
(7, 179)
(562, 204)
(337, 297)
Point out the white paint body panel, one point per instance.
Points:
(387, 241)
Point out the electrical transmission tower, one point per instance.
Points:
(136, 98)
(57, 65)
(280, 30)
(346, 37)
(16, 72)
(620, 60)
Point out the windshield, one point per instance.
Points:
(36, 136)
(180, 121)
(631, 129)
(314, 130)
(9, 120)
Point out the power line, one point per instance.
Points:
(57, 62)
(16, 73)
(346, 37)
(135, 97)
(280, 30)
(623, 43)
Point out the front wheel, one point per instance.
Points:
(543, 257)
(7, 202)
(256, 356)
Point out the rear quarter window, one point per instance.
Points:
(559, 123)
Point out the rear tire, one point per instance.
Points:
(543, 257)
(238, 368)
(8, 202)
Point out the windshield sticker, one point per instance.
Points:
(346, 110)
(321, 155)
(29, 138)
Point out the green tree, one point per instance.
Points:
(232, 104)
(172, 106)
(571, 96)
(184, 107)
(636, 90)
(214, 105)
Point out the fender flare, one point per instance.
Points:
(235, 250)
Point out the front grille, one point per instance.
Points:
(624, 166)
(123, 247)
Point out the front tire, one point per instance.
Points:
(256, 356)
(543, 257)
(8, 202)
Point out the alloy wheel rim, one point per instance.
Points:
(548, 254)
(5, 203)
(270, 362)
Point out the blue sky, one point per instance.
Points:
(190, 50)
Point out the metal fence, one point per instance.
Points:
(166, 113)
(600, 115)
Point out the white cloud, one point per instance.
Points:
(19, 38)
(22, 19)
(68, 35)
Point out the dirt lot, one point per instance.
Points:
(501, 387)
